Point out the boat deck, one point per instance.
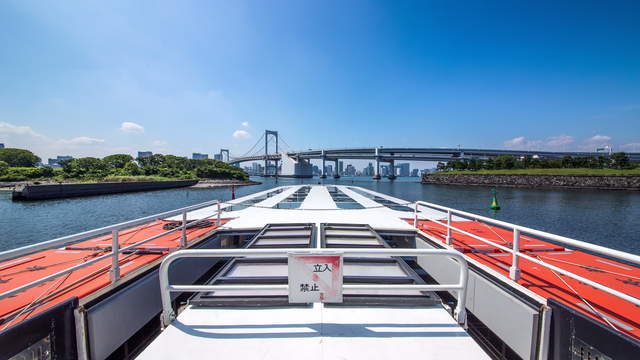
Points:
(600, 306)
(87, 280)
(315, 332)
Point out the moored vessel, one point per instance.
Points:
(415, 279)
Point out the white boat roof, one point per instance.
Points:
(317, 331)
(314, 332)
(318, 207)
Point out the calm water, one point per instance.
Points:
(605, 218)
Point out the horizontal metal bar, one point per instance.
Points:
(52, 276)
(206, 288)
(89, 262)
(166, 288)
(401, 287)
(553, 237)
(567, 273)
(8, 254)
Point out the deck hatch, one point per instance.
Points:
(274, 270)
(342, 200)
(382, 201)
(294, 200)
(254, 200)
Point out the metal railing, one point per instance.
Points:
(514, 271)
(114, 272)
(166, 288)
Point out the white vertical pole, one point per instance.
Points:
(448, 238)
(183, 238)
(514, 271)
(218, 221)
(114, 273)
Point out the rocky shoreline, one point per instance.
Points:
(590, 182)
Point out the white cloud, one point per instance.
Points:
(599, 139)
(24, 137)
(9, 130)
(560, 142)
(630, 147)
(241, 134)
(130, 127)
(245, 123)
(82, 140)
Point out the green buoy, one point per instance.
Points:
(494, 201)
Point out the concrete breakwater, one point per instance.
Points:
(59, 191)
(596, 182)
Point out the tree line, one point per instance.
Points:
(614, 161)
(19, 164)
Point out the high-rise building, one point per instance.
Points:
(404, 169)
(414, 172)
(368, 171)
(350, 170)
(198, 156)
(217, 157)
(340, 168)
(329, 170)
(144, 154)
(384, 170)
(315, 170)
(1, 146)
(54, 163)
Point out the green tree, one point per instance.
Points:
(132, 169)
(3, 167)
(18, 157)
(505, 162)
(117, 161)
(155, 160)
(84, 167)
(620, 160)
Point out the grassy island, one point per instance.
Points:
(20, 165)
(560, 171)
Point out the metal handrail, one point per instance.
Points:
(115, 248)
(166, 288)
(8, 254)
(514, 271)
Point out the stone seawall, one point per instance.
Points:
(59, 191)
(598, 182)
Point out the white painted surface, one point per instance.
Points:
(318, 332)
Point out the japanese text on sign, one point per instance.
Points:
(315, 278)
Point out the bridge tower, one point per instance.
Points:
(376, 173)
(222, 152)
(274, 134)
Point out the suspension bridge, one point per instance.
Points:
(296, 163)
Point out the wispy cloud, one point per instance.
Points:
(245, 123)
(558, 143)
(82, 140)
(131, 127)
(241, 134)
(25, 137)
(633, 147)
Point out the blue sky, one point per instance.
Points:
(98, 77)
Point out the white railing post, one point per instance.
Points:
(114, 273)
(514, 271)
(218, 221)
(448, 238)
(415, 217)
(183, 237)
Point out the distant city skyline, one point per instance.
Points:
(194, 77)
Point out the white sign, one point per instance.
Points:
(315, 278)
